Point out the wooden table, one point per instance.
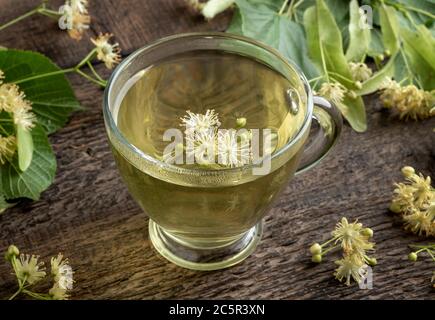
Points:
(89, 216)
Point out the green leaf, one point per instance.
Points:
(390, 28)
(236, 23)
(4, 204)
(419, 48)
(261, 22)
(353, 109)
(38, 176)
(359, 38)
(324, 41)
(376, 45)
(371, 85)
(24, 147)
(52, 97)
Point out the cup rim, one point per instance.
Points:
(110, 122)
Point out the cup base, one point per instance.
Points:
(201, 256)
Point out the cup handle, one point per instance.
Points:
(323, 139)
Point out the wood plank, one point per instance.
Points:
(89, 216)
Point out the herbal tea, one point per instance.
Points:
(231, 91)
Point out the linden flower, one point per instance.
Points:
(79, 5)
(333, 91)
(352, 238)
(415, 193)
(196, 122)
(61, 271)
(421, 222)
(28, 269)
(107, 52)
(12, 100)
(350, 266)
(7, 148)
(214, 7)
(408, 101)
(202, 146)
(58, 293)
(360, 71)
(75, 17)
(231, 152)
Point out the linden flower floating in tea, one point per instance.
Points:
(414, 199)
(409, 101)
(206, 142)
(29, 270)
(353, 238)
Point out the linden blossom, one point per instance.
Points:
(208, 145)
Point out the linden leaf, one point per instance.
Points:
(359, 38)
(260, 21)
(37, 177)
(52, 98)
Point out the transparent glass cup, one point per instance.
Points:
(205, 219)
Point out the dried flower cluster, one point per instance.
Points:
(29, 270)
(408, 101)
(354, 241)
(414, 199)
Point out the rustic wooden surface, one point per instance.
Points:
(89, 216)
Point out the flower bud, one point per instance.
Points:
(387, 53)
(372, 261)
(316, 249)
(395, 207)
(408, 171)
(317, 258)
(413, 256)
(367, 232)
(358, 84)
(241, 122)
(12, 252)
(380, 56)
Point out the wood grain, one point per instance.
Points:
(89, 216)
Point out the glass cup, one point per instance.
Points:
(208, 219)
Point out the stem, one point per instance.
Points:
(24, 16)
(87, 58)
(50, 13)
(15, 294)
(283, 7)
(431, 254)
(324, 62)
(329, 249)
(315, 79)
(90, 78)
(334, 74)
(327, 242)
(48, 74)
(95, 73)
(36, 295)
